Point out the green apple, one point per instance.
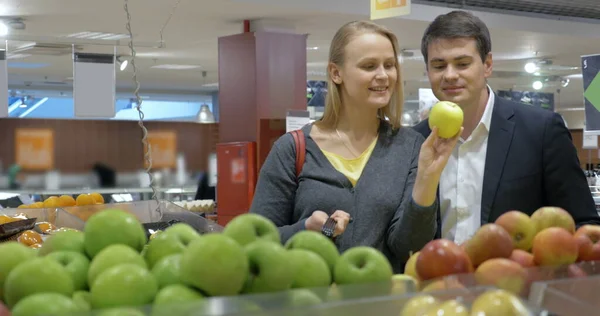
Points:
(447, 117)
(123, 285)
(110, 227)
(362, 264)
(121, 311)
(270, 267)
(317, 243)
(50, 304)
(172, 241)
(38, 275)
(12, 254)
(76, 264)
(83, 299)
(303, 297)
(249, 227)
(176, 294)
(111, 256)
(65, 240)
(167, 271)
(310, 270)
(178, 299)
(215, 264)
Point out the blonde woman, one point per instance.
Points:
(360, 163)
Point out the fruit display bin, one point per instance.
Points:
(519, 284)
(151, 212)
(575, 296)
(352, 300)
(55, 216)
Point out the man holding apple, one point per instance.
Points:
(510, 156)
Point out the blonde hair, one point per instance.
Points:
(337, 54)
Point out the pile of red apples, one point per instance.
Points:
(502, 253)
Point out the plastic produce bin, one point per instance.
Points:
(150, 212)
(575, 296)
(358, 300)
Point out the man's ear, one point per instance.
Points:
(488, 65)
(334, 73)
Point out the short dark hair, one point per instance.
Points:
(458, 24)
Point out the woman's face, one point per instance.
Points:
(368, 75)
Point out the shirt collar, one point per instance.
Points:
(486, 118)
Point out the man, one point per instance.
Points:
(510, 156)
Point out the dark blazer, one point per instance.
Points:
(531, 162)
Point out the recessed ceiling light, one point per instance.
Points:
(312, 48)
(175, 67)
(98, 36)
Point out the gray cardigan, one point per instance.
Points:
(385, 215)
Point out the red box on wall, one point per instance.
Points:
(236, 179)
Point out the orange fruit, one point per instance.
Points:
(37, 205)
(52, 202)
(45, 227)
(29, 237)
(23, 206)
(85, 199)
(67, 201)
(6, 219)
(98, 198)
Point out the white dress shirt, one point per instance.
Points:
(461, 183)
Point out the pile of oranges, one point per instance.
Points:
(67, 201)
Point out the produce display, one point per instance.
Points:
(67, 201)
(511, 253)
(27, 229)
(111, 265)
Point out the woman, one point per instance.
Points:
(358, 164)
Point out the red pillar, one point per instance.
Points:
(262, 75)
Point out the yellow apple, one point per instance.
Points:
(401, 284)
(447, 117)
(418, 305)
(498, 302)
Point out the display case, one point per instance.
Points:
(151, 212)
(356, 300)
(575, 296)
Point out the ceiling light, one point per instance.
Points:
(564, 82)
(175, 67)
(3, 29)
(205, 115)
(530, 67)
(312, 48)
(98, 36)
(122, 63)
(537, 85)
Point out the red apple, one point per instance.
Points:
(502, 273)
(520, 227)
(546, 217)
(442, 257)
(588, 239)
(575, 271)
(554, 246)
(522, 257)
(490, 241)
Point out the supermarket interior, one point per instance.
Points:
(143, 146)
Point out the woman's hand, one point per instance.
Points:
(316, 221)
(433, 157)
(318, 218)
(342, 220)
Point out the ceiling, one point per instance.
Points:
(190, 38)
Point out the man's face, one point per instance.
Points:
(456, 72)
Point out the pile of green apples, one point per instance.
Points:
(111, 267)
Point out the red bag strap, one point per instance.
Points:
(300, 142)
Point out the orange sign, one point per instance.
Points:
(163, 145)
(34, 148)
(382, 9)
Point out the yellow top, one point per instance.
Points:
(351, 168)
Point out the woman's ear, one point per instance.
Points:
(334, 73)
